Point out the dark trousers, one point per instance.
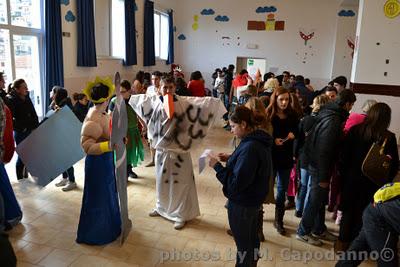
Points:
(7, 255)
(19, 137)
(351, 223)
(243, 223)
(69, 174)
(313, 219)
(2, 214)
(376, 236)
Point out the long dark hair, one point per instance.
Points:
(245, 114)
(140, 76)
(15, 84)
(272, 109)
(376, 123)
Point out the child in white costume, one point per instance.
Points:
(173, 138)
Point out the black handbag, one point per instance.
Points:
(376, 164)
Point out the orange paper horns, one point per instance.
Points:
(169, 105)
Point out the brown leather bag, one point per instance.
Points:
(376, 164)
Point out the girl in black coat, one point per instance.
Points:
(358, 190)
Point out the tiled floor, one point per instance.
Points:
(46, 236)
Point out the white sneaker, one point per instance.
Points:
(62, 182)
(70, 186)
(179, 225)
(309, 239)
(327, 236)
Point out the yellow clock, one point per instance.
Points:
(392, 8)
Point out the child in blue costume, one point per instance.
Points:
(100, 220)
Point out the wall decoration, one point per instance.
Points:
(181, 37)
(207, 12)
(266, 9)
(392, 8)
(351, 44)
(269, 25)
(346, 13)
(70, 17)
(64, 2)
(306, 36)
(195, 25)
(220, 18)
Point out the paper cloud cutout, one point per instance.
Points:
(70, 17)
(348, 13)
(64, 2)
(222, 18)
(266, 9)
(207, 12)
(181, 37)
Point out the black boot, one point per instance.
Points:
(278, 223)
(20, 172)
(260, 225)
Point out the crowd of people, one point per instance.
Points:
(301, 141)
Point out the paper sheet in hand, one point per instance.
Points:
(202, 159)
(53, 147)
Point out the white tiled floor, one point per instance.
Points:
(46, 236)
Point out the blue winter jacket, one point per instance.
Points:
(248, 170)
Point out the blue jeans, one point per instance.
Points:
(70, 174)
(19, 137)
(304, 191)
(227, 105)
(243, 224)
(282, 181)
(313, 219)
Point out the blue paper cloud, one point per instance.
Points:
(266, 9)
(64, 2)
(181, 37)
(70, 17)
(222, 18)
(207, 12)
(348, 13)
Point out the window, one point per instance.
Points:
(161, 35)
(21, 49)
(118, 29)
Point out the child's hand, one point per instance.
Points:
(278, 141)
(212, 162)
(223, 157)
(291, 136)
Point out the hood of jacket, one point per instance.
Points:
(260, 136)
(332, 109)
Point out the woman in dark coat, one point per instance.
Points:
(358, 190)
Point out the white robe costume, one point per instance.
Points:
(173, 139)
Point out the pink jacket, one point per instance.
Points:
(353, 120)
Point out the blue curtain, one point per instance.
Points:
(54, 65)
(170, 59)
(86, 38)
(149, 54)
(130, 33)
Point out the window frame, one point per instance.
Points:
(39, 34)
(165, 14)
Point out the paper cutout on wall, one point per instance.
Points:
(306, 37)
(207, 12)
(346, 13)
(228, 41)
(392, 8)
(64, 2)
(269, 25)
(350, 43)
(305, 53)
(220, 18)
(195, 25)
(70, 17)
(266, 9)
(181, 37)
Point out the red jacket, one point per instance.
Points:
(196, 88)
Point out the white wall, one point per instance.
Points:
(369, 62)
(205, 50)
(346, 30)
(374, 27)
(77, 77)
